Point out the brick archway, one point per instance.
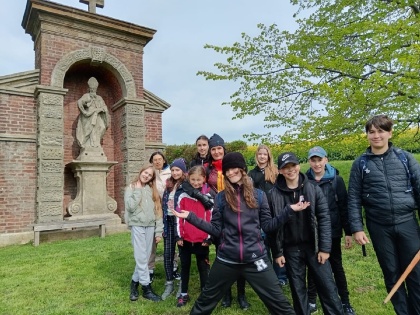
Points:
(97, 56)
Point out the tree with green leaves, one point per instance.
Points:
(346, 61)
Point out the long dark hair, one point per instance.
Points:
(248, 191)
(197, 155)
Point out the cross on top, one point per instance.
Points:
(93, 4)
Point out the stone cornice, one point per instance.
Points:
(17, 138)
(155, 145)
(156, 104)
(20, 84)
(49, 89)
(73, 17)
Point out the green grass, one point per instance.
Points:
(92, 276)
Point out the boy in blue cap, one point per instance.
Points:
(326, 177)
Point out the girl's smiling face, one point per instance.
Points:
(146, 176)
(196, 180)
(176, 173)
(202, 147)
(234, 175)
(262, 157)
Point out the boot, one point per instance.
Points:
(227, 299)
(243, 303)
(149, 294)
(134, 291)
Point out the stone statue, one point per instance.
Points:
(93, 119)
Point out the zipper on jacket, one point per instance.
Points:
(391, 202)
(241, 245)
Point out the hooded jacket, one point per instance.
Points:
(317, 214)
(240, 232)
(334, 189)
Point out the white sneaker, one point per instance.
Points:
(169, 288)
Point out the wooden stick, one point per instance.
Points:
(410, 267)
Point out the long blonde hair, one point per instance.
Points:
(152, 183)
(248, 189)
(270, 170)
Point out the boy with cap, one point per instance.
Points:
(326, 176)
(304, 241)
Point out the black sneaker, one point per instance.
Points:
(182, 300)
(312, 308)
(176, 275)
(348, 310)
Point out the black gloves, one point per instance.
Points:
(195, 193)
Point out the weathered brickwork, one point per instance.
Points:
(38, 126)
(17, 114)
(17, 186)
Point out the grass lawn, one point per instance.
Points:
(92, 276)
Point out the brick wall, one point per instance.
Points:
(153, 126)
(17, 186)
(18, 115)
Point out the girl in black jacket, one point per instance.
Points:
(239, 213)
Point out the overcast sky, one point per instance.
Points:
(173, 57)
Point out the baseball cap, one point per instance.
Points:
(317, 151)
(286, 158)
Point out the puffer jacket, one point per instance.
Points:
(139, 208)
(382, 190)
(334, 189)
(240, 232)
(281, 197)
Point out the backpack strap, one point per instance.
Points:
(363, 163)
(403, 158)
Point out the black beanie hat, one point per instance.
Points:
(215, 141)
(233, 160)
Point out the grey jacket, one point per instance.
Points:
(383, 190)
(139, 209)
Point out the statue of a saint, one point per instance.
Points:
(93, 119)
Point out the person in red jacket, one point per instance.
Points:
(190, 239)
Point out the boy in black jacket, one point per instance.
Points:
(388, 188)
(304, 241)
(326, 176)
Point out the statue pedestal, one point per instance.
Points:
(92, 198)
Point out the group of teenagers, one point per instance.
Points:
(274, 221)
